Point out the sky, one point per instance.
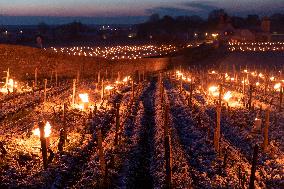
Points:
(21, 11)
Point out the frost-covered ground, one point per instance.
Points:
(133, 143)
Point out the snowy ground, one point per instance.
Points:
(134, 149)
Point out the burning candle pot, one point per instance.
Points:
(85, 100)
(43, 132)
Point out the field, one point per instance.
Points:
(188, 127)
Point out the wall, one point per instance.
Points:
(22, 61)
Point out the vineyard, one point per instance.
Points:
(185, 128)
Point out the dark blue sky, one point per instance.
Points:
(125, 11)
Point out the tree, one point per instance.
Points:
(238, 22)
(253, 20)
(154, 18)
(42, 27)
(73, 29)
(217, 17)
(277, 22)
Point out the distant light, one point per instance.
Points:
(214, 35)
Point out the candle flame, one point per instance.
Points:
(227, 96)
(126, 79)
(47, 130)
(109, 87)
(277, 86)
(260, 75)
(9, 86)
(213, 90)
(84, 97)
(272, 78)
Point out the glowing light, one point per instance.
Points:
(179, 73)
(126, 79)
(109, 87)
(215, 35)
(227, 96)
(213, 90)
(9, 86)
(277, 86)
(84, 97)
(47, 130)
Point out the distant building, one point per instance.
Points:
(251, 34)
(265, 25)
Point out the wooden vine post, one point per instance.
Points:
(63, 132)
(78, 76)
(43, 144)
(99, 77)
(51, 76)
(217, 129)
(35, 85)
(265, 137)
(265, 84)
(132, 89)
(103, 91)
(244, 84)
(101, 155)
(118, 76)
(250, 97)
(190, 94)
(74, 91)
(56, 78)
(45, 85)
(180, 89)
(117, 124)
(220, 94)
(281, 98)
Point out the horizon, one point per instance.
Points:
(31, 12)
